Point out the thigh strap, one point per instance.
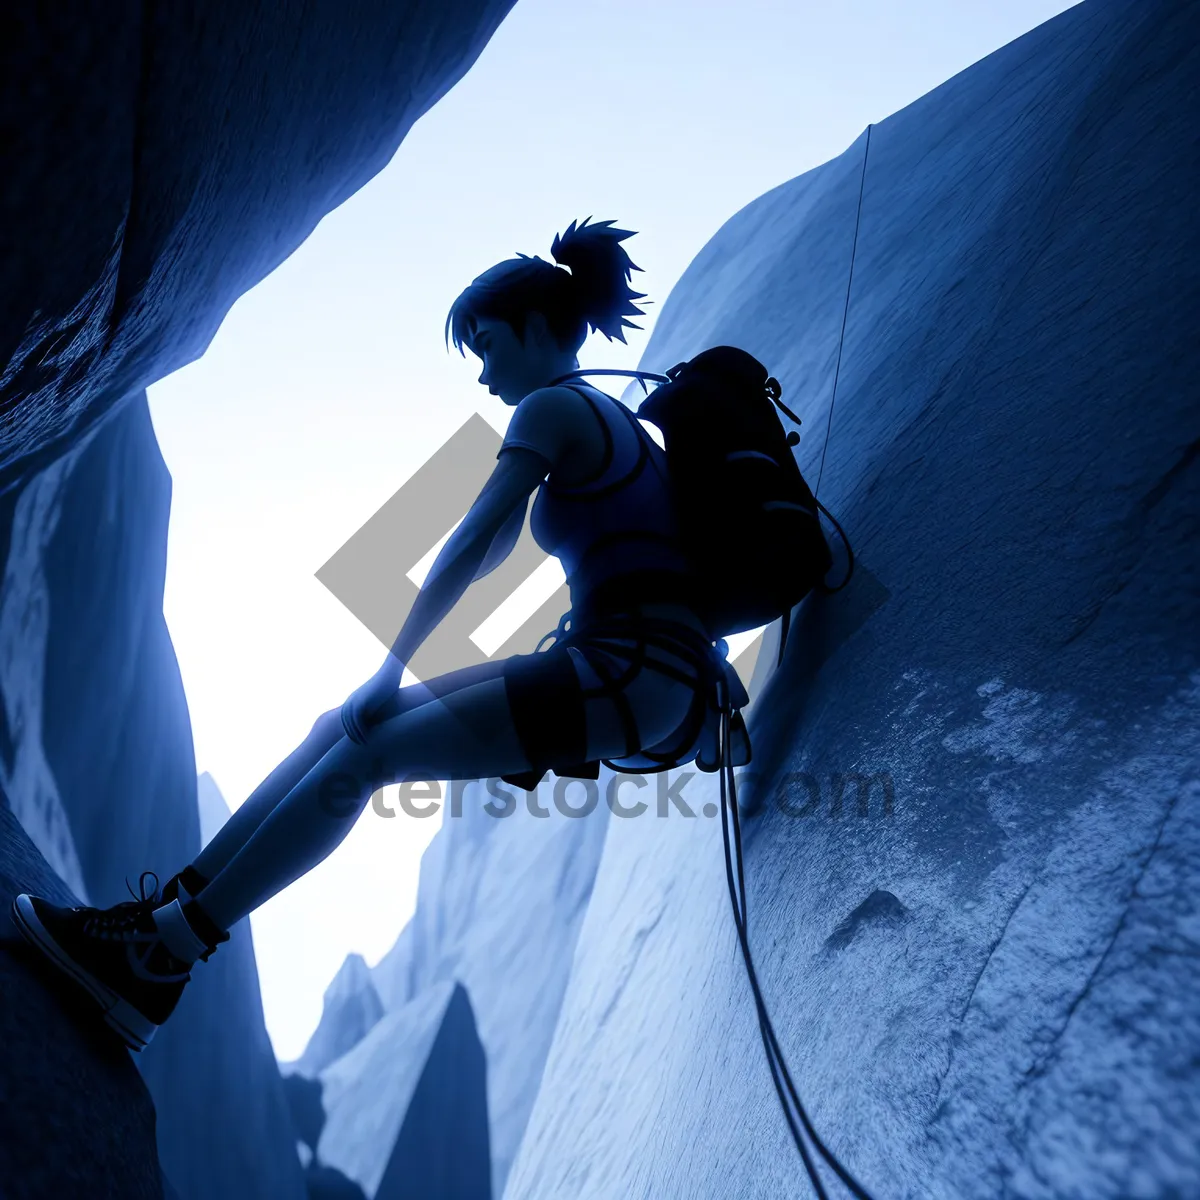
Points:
(607, 634)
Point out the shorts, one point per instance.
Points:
(548, 701)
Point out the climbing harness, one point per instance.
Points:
(605, 635)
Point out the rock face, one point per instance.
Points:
(450, 1095)
(75, 1118)
(224, 1128)
(208, 151)
(499, 906)
(989, 991)
(351, 1010)
(99, 769)
(406, 1109)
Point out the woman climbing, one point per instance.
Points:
(628, 674)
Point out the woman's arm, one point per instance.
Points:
(517, 472)
(505, 539)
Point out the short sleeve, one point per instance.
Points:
(543, 423)
(516, 443)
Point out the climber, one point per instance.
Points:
(630, 669)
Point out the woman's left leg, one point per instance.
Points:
(134, 958)
(467, 733)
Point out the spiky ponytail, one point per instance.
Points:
(589, 287)
(600, 271)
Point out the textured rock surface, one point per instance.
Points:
(115, 724)
(75, 1117)
(499, 907)
(991, 990)
(99, 767)
(28, 520)
(208, 149)
(351, 1009)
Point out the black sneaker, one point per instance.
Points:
(114, 954)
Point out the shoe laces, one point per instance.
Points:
(128, 916)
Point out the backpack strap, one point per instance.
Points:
(640, 376)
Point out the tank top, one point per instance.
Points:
(615, 533)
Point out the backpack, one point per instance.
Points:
(747, 519)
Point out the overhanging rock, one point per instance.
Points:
(157, 164)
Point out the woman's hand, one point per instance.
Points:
(365, 701)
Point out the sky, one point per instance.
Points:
(329, 384)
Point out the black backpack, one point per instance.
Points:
(747, 519)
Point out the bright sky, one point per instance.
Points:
(328, 385)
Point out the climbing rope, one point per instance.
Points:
(845, 310)
(735, 874)
(780, 1075)
(837, 370)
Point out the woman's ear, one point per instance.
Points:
(537, 327)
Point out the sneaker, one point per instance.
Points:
(115, 955)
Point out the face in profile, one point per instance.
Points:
(513, 368)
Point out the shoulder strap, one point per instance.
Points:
(634, 471)
(643, 437)
(608, 441)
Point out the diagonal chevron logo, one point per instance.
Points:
(371, 574)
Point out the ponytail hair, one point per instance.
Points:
(589, 287)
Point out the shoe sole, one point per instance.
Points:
(131, 1026)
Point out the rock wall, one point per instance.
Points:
(209, 141)
(207, 147)
(99, 770)
(984, 987)
(224, 1128)
(75, 1119)
(499, 906)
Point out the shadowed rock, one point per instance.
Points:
(442, 1149)
(208, 150)
(879, 909)
(75, 1116)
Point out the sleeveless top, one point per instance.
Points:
(615, 533)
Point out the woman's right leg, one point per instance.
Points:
(324, 735)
